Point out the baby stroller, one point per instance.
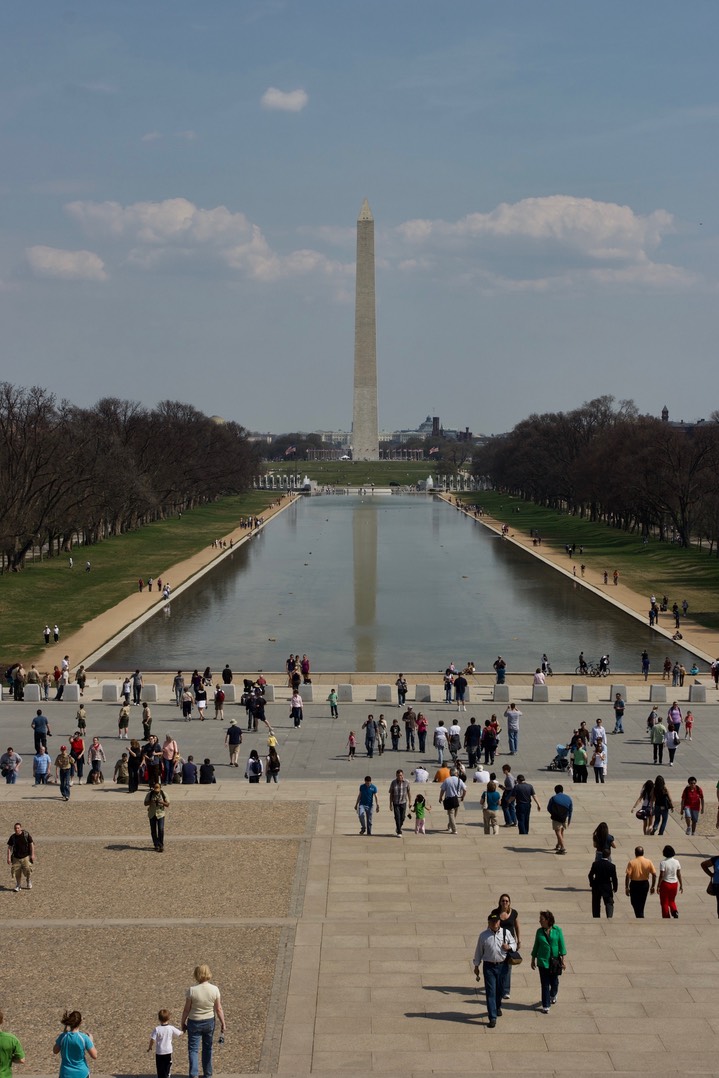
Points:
(561, 760)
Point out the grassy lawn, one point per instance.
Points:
(345, 473)
(656, 568)
(49, 591)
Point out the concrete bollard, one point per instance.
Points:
(423, 694)
(270, 694)
(540, 694)
(384, 694)
(32, 694)
(150, 694)
(71, 694)
(622, 690)
(500, 693)
(580, 694)
(697, 694)
(306, 694)
(658, 694)
(345, 694)
(229, 691)
(110, 692)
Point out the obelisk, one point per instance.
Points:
(365, 436)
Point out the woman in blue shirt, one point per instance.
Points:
(72, 1046)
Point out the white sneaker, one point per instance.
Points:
(16, 888)
(29, 885)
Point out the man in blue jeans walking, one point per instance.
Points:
(523, 794)
(491, 951)
(618, 714)
(365, 804)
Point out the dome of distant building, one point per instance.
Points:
(217, 419)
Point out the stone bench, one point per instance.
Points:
(71, 694)
(697, 694)
(383, 694)
(423, 694)
(110, 692)
(580, 694)
(345, 694)
(540, 694)
(658, 694)
(32, 694)
(230, 693)
(621, 689)
(500, 693)
(306, 694)
(150, 694)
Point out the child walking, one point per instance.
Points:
(688, 726)
(351, 745)
(332, 701)
(420, 809)
(161, 1040)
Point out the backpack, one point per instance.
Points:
(255, 767)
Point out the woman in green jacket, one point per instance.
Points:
(548, 954)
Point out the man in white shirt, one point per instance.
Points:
(420, 774)
(481, 775)
(451, 795)
(440, 741)
(491, 950)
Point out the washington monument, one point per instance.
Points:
(365, 436)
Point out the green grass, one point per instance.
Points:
(49, 591)
(345, 473)
(656, 568)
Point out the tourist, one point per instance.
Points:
(559, 808)
(639, 871)
(619, 706)
(604, 884)
(73, 1047)
(410, 725)
(460, 689)
(189, 772)
(491, 951)
(352, 745)
(96, 755)
(63, 771)
(370, 736)
(161, 1041)
(123, 723)
(670, 879)
(500, 668)
(41, 729)
(401, 684)
(121, 774)
(455, 739)
(137, 683)
(420, 809)
(509, 809)
(451, 794)
(178, 687)
(272, 765)
(146, 721)
(539, 678)
(472, 738)
(233, 740)
(646, 812)
(156, 803)
(420, 774)
(688, 726)
(422, 727)
(170, 752)
(186, 701)
(448, 683)
(711, 867)
(399, 797)
(395, 732)
(40, 768)
(10, 1051)
(509, 920)
(440, 741)
(599, 760)
(490, 801)
(202, 1008)
(381, 734)
(207, 772)
(674, 717)
(513, 715)
(227, 675)
(332, 701)
(296, 712)
(662, 805)
(672, 742)
(658, 736)
(579, 761)
(692, 804)
(219, 702)
(549, 953)
(253, 767)
(489, 742)
(366, 804)
(134, 759)
(522, 793)
(152, 757)
(201, 700)
(21, 855)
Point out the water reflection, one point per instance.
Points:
(400, 583)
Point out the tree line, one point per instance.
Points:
(606, 462)
(70, 474)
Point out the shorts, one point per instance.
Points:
(691, 814)
(558, 825)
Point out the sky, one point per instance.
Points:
(180, 185)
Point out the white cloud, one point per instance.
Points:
(151, 136)
(284, 100)
(70, 265)
(554, 241)
(189, 136)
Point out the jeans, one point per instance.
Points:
(41, 780)
(509, 810)
(400, 811)
(365, 817)
(422, 738)
(660, 820)
(440, 753)
(65, 781)
(168, 767)
(523, 811)
(157, 830)
(550, 986)
(11, 777)
(409, 739)
(599, 774)
(494, 985)
(618, 725)
(369, 745)
(200, 1031)
(513, 739)
(136, 694)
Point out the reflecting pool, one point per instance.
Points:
(384, 583)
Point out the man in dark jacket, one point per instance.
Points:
(604, 884)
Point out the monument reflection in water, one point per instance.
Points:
(384, 583)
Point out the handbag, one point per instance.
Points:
(555, 966)
(641, 814)
(451, 803)
(513, 958)
(712, 888)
